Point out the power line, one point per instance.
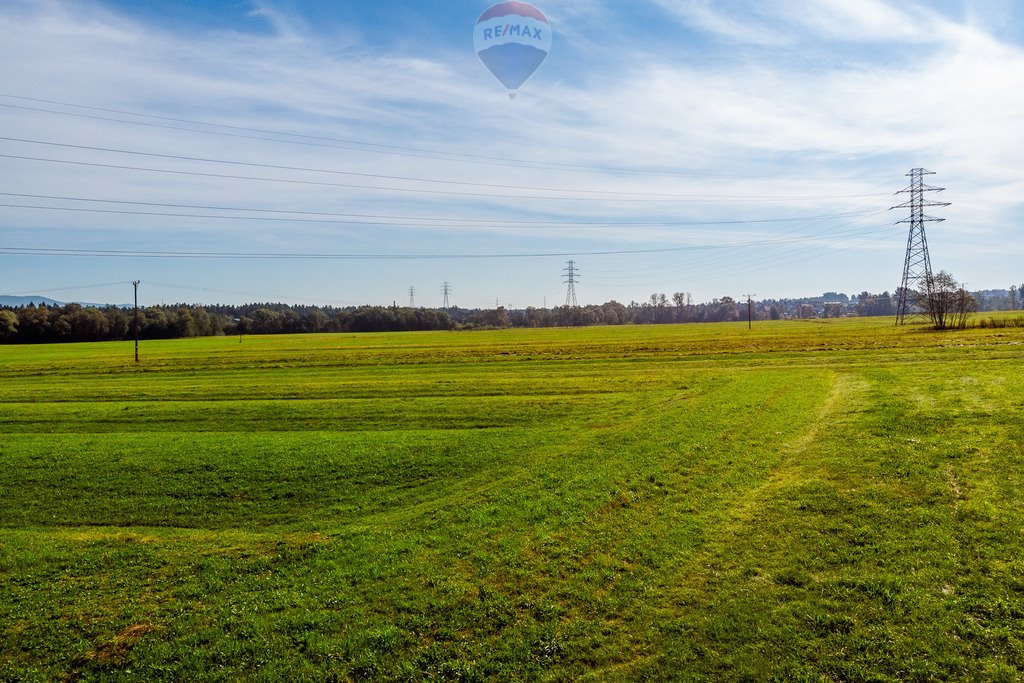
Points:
(788, 259)
(729, 266)
(384, 217)
(71, 289)
(60, 251)
(63, 251)
(730, 262)
(732, 266)
(795, 234)
(381, 176)
(294, 181)
(260, 295)
(322, 141)
(475, 223)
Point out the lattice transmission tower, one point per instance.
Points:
(446, 289)
(917, 266)
(412, 297)
(572, 276)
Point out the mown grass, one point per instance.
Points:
(804, 501)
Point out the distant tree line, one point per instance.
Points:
(1000, 299)
(74, 323)
(659, 309)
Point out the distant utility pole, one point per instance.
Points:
(917, 266)
(412, 297)
(135, 323)
(750, 311)
(572, 276)
(446, 289)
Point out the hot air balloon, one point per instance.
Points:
(512, 39)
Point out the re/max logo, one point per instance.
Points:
(512, 30)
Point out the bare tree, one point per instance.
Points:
(948, 304)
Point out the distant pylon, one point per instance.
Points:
(412, 297)
(917, 265)
(572, 276)
(446, 289)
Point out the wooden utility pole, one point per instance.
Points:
(135, 284)
(750, 311)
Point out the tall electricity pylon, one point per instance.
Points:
(917, 266)
(446, 289)
(572, 276)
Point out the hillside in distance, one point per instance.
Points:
(13, 301)
(16, 301)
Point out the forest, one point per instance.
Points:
(76, 323)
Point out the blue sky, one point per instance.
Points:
(716, 148)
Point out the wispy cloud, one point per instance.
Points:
(752, 135)
(745, 27)
(789, 22)
(869, 21)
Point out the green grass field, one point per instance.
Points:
(804, 501)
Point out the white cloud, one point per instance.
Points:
(744, 26)
(846, 129)
(872, 21)
(795, 22)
